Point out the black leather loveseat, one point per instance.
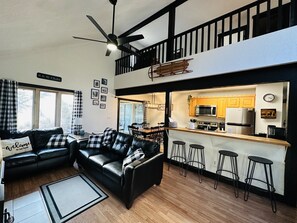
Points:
(105, 164)
(41, 157)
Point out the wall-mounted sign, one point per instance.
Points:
(49, 77)
(268, 113)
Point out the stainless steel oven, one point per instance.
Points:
(206, 110)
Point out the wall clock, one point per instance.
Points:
(269, 97)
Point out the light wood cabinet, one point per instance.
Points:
(245, 101)
(221, 107)
(233, 102)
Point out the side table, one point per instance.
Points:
(81, 139)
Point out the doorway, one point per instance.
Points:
(130, 111)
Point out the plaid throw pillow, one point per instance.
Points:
(94, 141)
(136, 155)
(108, 136)
(56, 141)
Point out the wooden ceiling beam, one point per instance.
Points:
(153, 17)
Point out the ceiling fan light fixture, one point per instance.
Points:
(111, 46)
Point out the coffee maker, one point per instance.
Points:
(275, 132)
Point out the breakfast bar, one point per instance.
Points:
(244, 145)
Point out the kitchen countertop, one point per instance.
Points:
(235, 136)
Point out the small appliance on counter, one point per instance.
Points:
(172, 123)
(210, 126)
(276, 132)
(240, 121)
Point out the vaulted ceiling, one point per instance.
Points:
(27, 25)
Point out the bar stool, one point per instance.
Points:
(233, 171)
(178, 153)
(253, 160)
(194, 150)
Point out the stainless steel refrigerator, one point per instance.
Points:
(240, 121)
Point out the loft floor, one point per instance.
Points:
(177, 199)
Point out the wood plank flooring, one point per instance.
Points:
(177, 199)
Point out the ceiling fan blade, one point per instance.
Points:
(98, 27)
(127, 50)
(76, 37)
(128, 39)
(107, 52)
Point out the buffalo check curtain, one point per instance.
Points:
(76, 112)
(8, 105)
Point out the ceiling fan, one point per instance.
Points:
(112, 41)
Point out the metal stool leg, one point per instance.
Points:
(270, 188)
(219, 170)
(171, 154)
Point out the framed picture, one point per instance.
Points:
(102, 106)
(104, 81)
(94, 93)
(96, 83)
(103, 97)
(104, 90)
(95, 102)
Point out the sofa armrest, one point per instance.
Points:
(72, 145)
(138, 177)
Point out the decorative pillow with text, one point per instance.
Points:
(15, 146)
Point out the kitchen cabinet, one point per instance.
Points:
(233, 102)
(247, 102)
(221, 107)
(192, 107)
(207, 101)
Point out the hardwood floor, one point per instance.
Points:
(177, 199)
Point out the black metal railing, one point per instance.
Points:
(255, 19)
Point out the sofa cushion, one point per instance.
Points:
(46, 153)
(136, 155)
(114, 171)
(41, 137)
(95, 142)
(149, 148)
(20, 159)
(89, 152)
(15, 146)
(102, 159)
(122, 144)
(109, 135)
(57, 141)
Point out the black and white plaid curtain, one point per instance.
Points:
(8, 105)
(76, 112)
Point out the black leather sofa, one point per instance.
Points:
(105, 165)
(40, 158)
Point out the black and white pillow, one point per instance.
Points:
(108, 136)
(138, 154)
(57, 141)
(95, 141)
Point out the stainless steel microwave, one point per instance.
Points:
(206, 110)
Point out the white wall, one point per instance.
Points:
(261, 90)
(264, 51)
(78, 65)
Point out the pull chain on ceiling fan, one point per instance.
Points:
(112, 41)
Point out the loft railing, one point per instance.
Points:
(255, 19)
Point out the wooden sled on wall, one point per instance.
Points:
(169, 68)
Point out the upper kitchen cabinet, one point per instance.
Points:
(247, 101)
(221, 107)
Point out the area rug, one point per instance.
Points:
(70, 196)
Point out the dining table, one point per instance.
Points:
(150, 131)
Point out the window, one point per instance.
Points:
(25, 108)
(41, 108)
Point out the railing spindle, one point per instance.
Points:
(208, 38)
(191, 42)
(215, 34)
(202, 39)
(196, 42)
